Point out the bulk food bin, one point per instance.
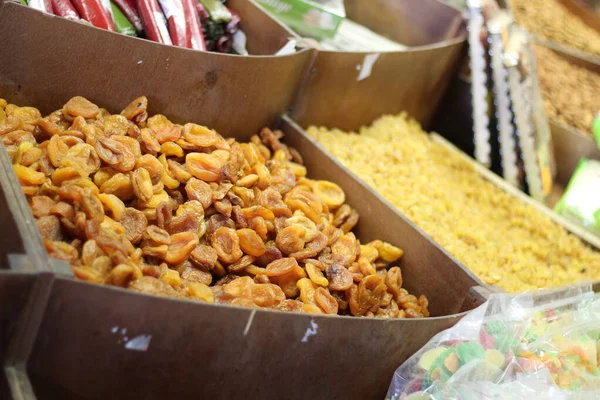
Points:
(82, 346)
(355, 88)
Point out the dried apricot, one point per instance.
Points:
(251, 243)
(227, 244)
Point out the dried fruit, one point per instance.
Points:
(160, 208)
(251, 243)
(227, 244)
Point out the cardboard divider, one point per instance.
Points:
(15, 289)
(424, 22)
(103, 342)
(414, 80)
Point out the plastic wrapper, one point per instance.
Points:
(122, 23)
(42, 5)
(65, 8)
(153, 21)
(542, 346)
(320, 19)
(129, 10)
(192, 18)
(176, 22)
(96, 13)
(596, 129)
(580, 202)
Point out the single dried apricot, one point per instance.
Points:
(347, 248)
(80, 106)
(150, 285)
(112, 205)
(200, 191)
(204, 256)
(61, 251)
(191, 274)
(117, 153)
(291, 239)
(200, 135)
(148, 142)
(206, 167)
(171, 149)
(316, 275)
(239, 287)
(186, 222)
(181, 246)
(135, 109)
(393, 281)
(307, 290)
(266, 295)
(49, 227)
(339, 277)
(251, 243)
(227, 244)
(135, 223)
(325, 301)
(389, 253)
(281, 266)
(202, 292)
(28, 176)
(141, 184)
(330, 193)
(41, 205)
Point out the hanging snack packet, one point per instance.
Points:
(153, 21)
(581, 202)
(122, 24)
(176, 22)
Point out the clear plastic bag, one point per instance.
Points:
(542, 346)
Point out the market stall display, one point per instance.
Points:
(512, 347)
(571, 92)
(136, 201)
(552, 20)
(503, 241)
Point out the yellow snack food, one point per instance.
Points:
(502, 240)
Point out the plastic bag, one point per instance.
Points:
(542, 346)
(578, 202)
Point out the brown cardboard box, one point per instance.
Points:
(341, 83)
(82, 347)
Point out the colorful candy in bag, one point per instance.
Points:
(542, 346)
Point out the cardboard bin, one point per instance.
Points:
(353, 89)
(104, 342)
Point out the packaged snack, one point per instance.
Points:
(96, 13)
(64, 8)
(122, 23)
(176, 22)
(542, 346)
(314, 18)
(129, 10)
(153, 21)
(578, 203)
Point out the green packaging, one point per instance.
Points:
(319, 19)
(121, 22)
(581, 202)
(596, 129)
